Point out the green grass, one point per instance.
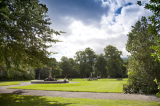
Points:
(6, 83)
(26, 100)
(102, 85)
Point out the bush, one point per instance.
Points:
(140, 84)
(17, 75)
(158, 94)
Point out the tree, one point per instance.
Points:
(69, 67)
(44, 72)
(56, 71)
(100, 66)
(65, 66)
(17, 75)
(90, 58)
(154, 6)
(25, 30)
(114, 61)
(81, 60)
(124, 68)
(142, 67)
(73, 71)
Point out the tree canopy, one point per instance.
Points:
(114, 61)
(25, 34)
(69, 67)
(90, 58)
(154, 6)
(100, 66)
(81, 60)
(142, 67)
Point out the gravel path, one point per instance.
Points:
(114, 96)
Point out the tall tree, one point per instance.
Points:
(91, 57)
(142, 67)
(154, 6)
(100, 66)
(65, 66)
(81, 60)
(124, 68)
(114, 61)
(73, 71)
(24, 27)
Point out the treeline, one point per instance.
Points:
(84, 64)
(88, 64)
(8, 75)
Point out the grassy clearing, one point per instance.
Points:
(102, 85)
(6, 83)
(26, 100)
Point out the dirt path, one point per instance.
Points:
(114, 96)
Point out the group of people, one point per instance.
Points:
(65, 80)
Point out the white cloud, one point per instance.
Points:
(113, 30)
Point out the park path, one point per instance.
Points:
(113, 96)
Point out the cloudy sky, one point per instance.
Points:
(92, 23)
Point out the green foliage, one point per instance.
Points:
(114, 61)
(44, 72)
(156, 54)
(24, 33)
(28, 74)
(158, 94)
(85, 61)
(74, 70)
(65, 66)
(124, 68)
(68, 67)
(142, 66)
(90, 58)
(81, 60)
(88, 63)
(154, 6)
(100, 66)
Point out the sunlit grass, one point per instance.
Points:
(26, 100)
(6, 83)
(102, 85)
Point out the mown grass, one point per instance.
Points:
(26, 100)
(6, 83)
(102, 85)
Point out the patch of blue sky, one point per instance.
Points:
(119, 9)
(110, 24)
(128, 4)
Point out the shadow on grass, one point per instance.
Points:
(21, 100)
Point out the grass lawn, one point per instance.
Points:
(5, 83)
(102, 85)
(25, 100)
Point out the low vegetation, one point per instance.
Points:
(102, 85)
(26, 100)
(5, 83)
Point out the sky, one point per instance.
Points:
(92, 23)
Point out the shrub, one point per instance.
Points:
(158, 94)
